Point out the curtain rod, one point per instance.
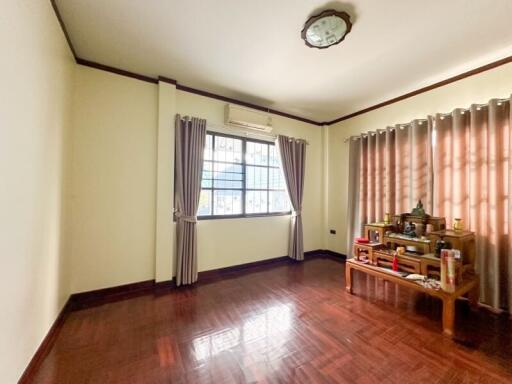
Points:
(380, 131)
(228, 130)
(442, 115)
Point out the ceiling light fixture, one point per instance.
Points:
(325, 29)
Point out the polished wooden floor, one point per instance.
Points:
(291, 323)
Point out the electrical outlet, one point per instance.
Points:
(332, 231)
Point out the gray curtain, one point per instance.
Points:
(353, 193)
(293, 160)
(189, 153)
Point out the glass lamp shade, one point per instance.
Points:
(326, 29)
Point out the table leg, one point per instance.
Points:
(348, 278)
(474, 296)
(448, 316)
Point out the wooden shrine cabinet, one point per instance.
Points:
(461, 240)
(418, 233)
(375, 232)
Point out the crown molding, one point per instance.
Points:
(117, 71)
(196, 91)
(452, 79)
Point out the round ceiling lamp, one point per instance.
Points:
(325, 29)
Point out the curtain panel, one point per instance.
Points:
(293, 160)
(459, 164)
(473, 181)
(189, 153)
(395, 171)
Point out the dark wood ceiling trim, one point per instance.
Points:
(243, 103)
(167, 80)
(152, 80)
(63, 27)
(117, 71)
(164, 79)
(453, 79)
(184, 88)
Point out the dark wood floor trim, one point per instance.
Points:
(45, 346)
(105, 295)
(453, 79)
(88, 299)
(333, 255)
(237, 270)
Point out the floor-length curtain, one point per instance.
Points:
(189, 152)
(395, 171)
(293, 160)
(473, 181)
(353, 223)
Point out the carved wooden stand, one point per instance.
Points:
(469, 286)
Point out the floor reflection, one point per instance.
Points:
(270, 327)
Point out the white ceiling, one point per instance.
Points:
(252, 50)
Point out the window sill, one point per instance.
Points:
(246, 216)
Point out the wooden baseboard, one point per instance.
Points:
(96, 297)
(46, 345)
(334, 255)
(101, 296)
(236, 270)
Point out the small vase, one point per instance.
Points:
(387, 218)
(458, 224)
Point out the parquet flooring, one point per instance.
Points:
(291, 323)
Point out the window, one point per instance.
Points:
(241, 177)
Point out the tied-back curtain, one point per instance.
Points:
(473, 181)
(189, 152)
(395, 171)
(293, 160)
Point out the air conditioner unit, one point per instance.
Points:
(241, 117)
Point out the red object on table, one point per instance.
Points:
(362, 240)
(395, 263)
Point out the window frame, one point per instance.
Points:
(244, 189)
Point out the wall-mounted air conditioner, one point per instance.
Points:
(246, 118)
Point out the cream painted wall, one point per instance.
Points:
(229, 242)
(37, 77)
(122, 186)
(496, 83)
(89, 207)
(113, 180)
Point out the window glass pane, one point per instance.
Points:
(273, 156)
(256, 177)
(256, 202)
(206, 181)
(223, 178)
(227, 202)
(279, 201)
(276, 179)
(256, 153)
(228, 149)
(228, 184)
(208, 147)
(227, 175)
(205, 203)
